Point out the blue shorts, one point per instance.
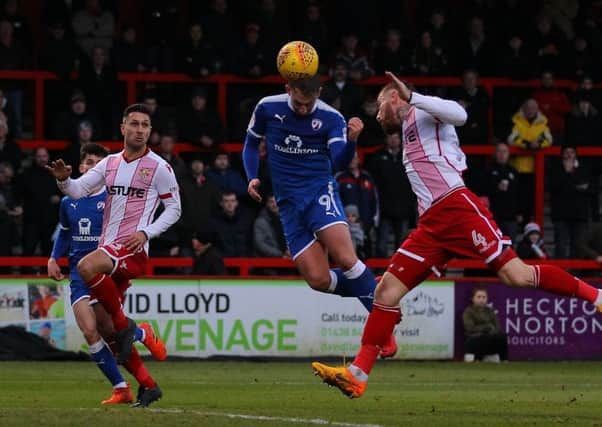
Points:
(303, 217)
(79, 290)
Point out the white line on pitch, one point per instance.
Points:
(294, 420)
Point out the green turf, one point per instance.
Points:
(218, 393)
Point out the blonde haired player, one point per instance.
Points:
(453, 221)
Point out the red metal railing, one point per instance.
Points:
(245, 265)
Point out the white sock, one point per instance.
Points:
(143, 334)
(355, 271)
(97, 346)
(333, 282)
(598, 301)
(122, 384)
(358, 373)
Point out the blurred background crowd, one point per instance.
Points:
(87, 42)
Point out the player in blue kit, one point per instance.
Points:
(80, 228)
(307, 140)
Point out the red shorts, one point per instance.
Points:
(126, 264)
(456, 225)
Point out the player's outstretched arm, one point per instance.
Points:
(444, 110)
(82, 186)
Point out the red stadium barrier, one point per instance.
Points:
(245, 265)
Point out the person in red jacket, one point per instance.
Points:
(553, 103)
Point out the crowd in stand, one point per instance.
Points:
(94, 40)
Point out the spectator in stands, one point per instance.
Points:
(196, 57)
(532, 245)
(219, 31)
(234, 226)
(98, 80)
(531, 132)
(13, 56)
(372, 133)
(207, 257)
(160, 119)
(8, 113)
(72, 155)
(60, 54)
(439, 30)
(314, 30)
(391, 55)
(562, 14)
(166, 150)
(200, 198)
(589, 246)
(94, 27)
(274, 22)
(341, 92)
(548, 45)
(268, 234)
(10, 213)
(397, 203)
(226, 178)
(428, 60)
(580, 59)
(40, 199)
(126, 55)
(515, 60)
(475, 51)
(484, 337)
(9, 150)
(356, 60)
(502, 189)
(357, 188)
(570, 194)
(22, 29)
(554, 104)
(251, 58)
(586, 86)
(356, 230)
(66, 124)
(583, 127)
(476, 103)
(200, 125)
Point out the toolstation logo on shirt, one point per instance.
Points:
(294, 145)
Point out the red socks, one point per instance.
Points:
(135, 366)
(105, 290)
(378, 329)
(553, 279)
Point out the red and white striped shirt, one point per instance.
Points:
(432, 156)
(134, 189)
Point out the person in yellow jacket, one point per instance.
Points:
(531, 132)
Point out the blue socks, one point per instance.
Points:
(101, 354)
(358, 282)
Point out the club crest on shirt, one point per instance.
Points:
(100, 206)
(145, 173)
(316, 124)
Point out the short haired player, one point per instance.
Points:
(453, 221)
(136, 180)
(306, 139)
(80, 225)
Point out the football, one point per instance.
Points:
(297, 60)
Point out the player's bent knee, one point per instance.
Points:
(517, 274)
(86, 269)
(319, 282)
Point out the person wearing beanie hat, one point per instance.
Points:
(532, 245)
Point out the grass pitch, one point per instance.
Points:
(286, 394)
